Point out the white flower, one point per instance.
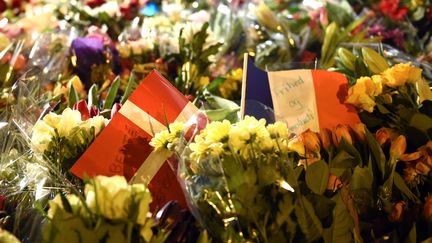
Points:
(70, 119)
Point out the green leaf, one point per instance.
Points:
(377, 153)
(112, 93)
(401, 185)
(66, 204)
(412, 236)
(421, 121)
(317, 176)
(341, 229)
(93, 97)
(362, 178)
(129, 88)
(72, 97)
(212, 87)
(222, 114)
(342, 160)
(307, 220)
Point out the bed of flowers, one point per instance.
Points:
(68, 67)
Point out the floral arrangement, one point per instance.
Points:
(110, 211)
(337, 185)
(67, 67)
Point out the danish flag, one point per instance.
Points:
(122, 148)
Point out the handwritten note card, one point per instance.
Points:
(294, 99)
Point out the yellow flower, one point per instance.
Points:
(362, 93)
(165, 140)
(161, 140)
(400, 74)
(295, 144)
(248, 134)
(7, 237)
(278, 130)
(176, 128)
(228, 89)
(78, 85)
(217, 131)
(109, 197)
(198, 150)
(204, 80)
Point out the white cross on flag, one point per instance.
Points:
(122, 148)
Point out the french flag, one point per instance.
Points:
(304, 98)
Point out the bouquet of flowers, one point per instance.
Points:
(111, 210)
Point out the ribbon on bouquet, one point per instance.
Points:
(304, 99)
(122, 148)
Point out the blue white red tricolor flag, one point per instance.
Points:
(304, 98)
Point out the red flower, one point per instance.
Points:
(95, 3)
(85, 111)
(391, 9)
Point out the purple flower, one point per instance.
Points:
(87, 52)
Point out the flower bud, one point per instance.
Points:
(339, 132)
(82, 107)
(333, 183)
(398, 146)
(116, 107)
(384, 135)
(427, 209)
(359, 131)
(397, 211)
(325, 137)
(311, 141)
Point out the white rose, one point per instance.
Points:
(70, 119)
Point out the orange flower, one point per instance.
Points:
(398, 146)
(359, 131)
(311, 141)
(325, 137)
(397, 211)
(384, 135)
(339, 132)
(333, 183)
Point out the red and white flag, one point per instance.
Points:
(122, 148)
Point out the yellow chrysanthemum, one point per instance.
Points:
(400, 74)
(217, 131)
(362, 93)
(161, 140)
(278, 130)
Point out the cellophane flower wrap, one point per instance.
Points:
(242, 183)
